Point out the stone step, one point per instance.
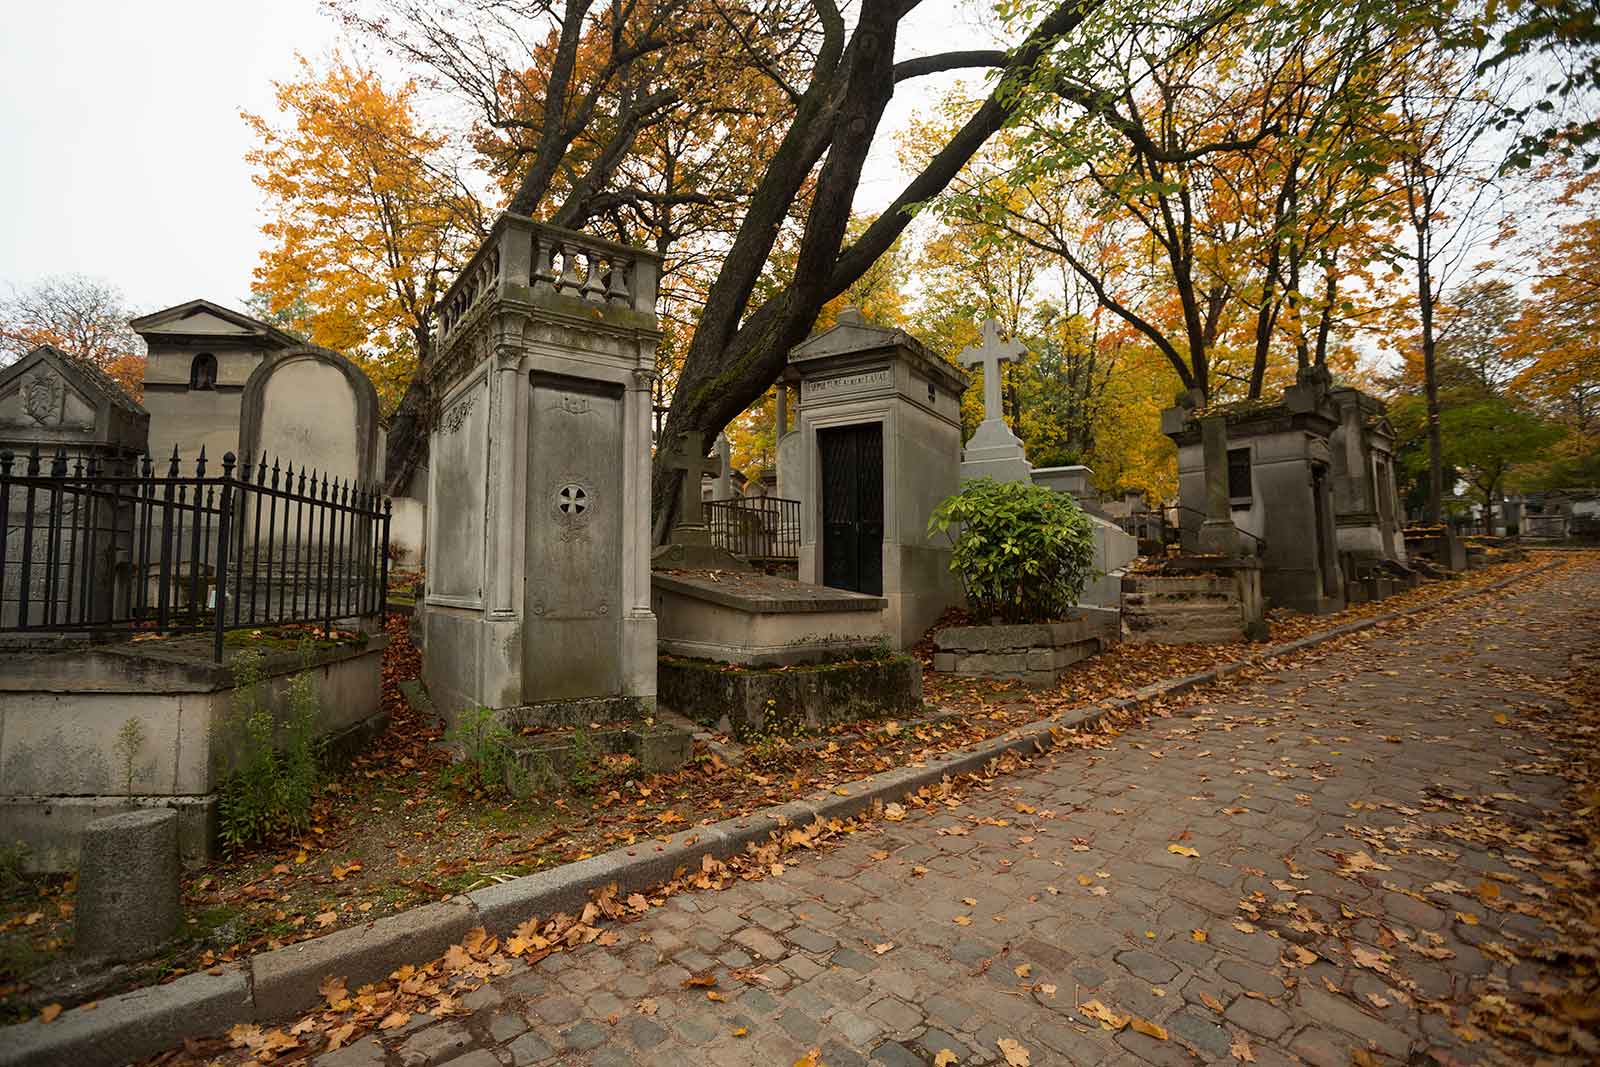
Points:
(1146, 621)
(1175, 600)
(1153, 583)
(1200, 635)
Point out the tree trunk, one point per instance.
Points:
(1430, 380)
(734, 356)
(407, 444)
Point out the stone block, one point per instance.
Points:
(128, 885)
(131, 1026)
(738, 700)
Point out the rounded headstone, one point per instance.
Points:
(128, 903)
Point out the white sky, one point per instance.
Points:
(123, 147)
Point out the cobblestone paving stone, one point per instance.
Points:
(1062, 873)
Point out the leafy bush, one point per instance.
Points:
(275, 772)
(486, 763)
(1023, 552)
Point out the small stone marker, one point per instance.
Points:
(128, 885)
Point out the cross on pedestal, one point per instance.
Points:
(990, 354)
(688, 454)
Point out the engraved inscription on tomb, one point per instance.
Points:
(860, 382)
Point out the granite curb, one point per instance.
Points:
(283, 982)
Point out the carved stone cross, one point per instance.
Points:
(688, 454)
(990, 354)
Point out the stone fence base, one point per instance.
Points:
(1037, 653)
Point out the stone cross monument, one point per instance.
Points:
(690, 546)
(994, 451)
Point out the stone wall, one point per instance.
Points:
(88, 733)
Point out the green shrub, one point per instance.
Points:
(1023, 553)
(275, 772)
(486, 763)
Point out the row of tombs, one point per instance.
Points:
(546, 598)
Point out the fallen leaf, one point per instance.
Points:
(741, 1031)
(1198, 936)
(394, 1020)
(1183, 850)
(1211, 1002)
(946, 1058)
(1148, 1028)
(1241, 1051)
(647, 1006)
(894, 812)
(1016, 1055)
(48, 1013)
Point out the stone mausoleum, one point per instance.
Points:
(879, 448)
(539, 479)
(1280, 491)
(200, 357)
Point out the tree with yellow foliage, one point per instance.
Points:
(368, 220)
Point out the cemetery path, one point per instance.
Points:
(1344, 861)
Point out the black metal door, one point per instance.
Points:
(852, 507)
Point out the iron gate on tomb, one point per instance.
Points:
(852, 507)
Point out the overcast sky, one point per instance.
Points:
(123, 146)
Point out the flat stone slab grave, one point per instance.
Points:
(761, 620)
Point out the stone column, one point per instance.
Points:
(1218, 535)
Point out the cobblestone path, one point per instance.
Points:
(1328, 796)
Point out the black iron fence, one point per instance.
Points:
(97, 545)
(756, 527)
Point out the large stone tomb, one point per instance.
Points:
(879, 444)
(1366, 503)
(538, 589)
(1279, 492)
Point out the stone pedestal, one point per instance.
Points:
(128, 902)
(879, 447)
(538, 588)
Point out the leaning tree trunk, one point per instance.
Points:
(1430, 384)
(734, 358)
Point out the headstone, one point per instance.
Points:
(877, 448)
(60, 414)
(1276, 491)
(724, 452)
(993, 451)
(128, 903)
(689, 546)
(1075, 479)
(312, 407)
(200, 357)
(539, 479)
(1114, 548)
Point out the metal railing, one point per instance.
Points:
(98, 546)
(756, 527)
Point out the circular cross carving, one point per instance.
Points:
(572, 500)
